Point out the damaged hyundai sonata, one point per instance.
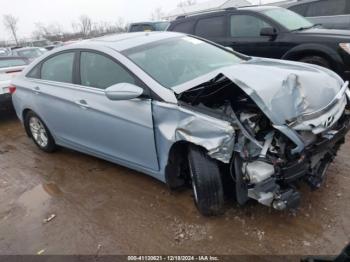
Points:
(189, 112)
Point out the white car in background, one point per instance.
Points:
(10, 66)
(30, 53)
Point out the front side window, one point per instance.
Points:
(58, 68)
(177, 60)
(288, 19)
(101, 72)
(211, 27)
(246, 26)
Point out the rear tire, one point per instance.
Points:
(39, 132)
(316, 60)
(206, 182)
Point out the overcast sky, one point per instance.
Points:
(65, 12)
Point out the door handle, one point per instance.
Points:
(36, 90)
(82, 103)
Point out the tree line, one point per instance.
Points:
(83, 28)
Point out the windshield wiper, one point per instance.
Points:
(306, 27)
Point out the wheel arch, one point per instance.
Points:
(177, 164)
(24, 115)
(323, 51)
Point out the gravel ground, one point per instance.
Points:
(70, 203)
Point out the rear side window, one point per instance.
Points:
(101, 72)
(327, 8)
(246, 26)
(35, 72)
(211, 27)
(185, 27)
(12, 62)
(58, 68)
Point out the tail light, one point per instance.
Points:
(12, 89)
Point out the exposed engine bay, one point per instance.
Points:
(269, 160)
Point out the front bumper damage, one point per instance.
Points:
(287, 130)
(274, 184)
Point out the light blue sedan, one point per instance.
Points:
(188, 112)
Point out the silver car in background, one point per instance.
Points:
(189, 112)
(31, 53)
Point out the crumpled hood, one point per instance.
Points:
(284, 90)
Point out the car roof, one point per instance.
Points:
(257, 8)
(121, 42)
(291, 3)
(149, 22)
(254, 8)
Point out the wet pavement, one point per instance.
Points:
(95, 207)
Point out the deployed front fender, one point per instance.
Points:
(174, 123)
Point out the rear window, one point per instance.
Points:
(211, 27)
(12, 62)
(141, 28)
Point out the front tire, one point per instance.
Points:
(206, 182)
(39, 132)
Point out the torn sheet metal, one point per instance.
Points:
(289, 90)
(175, 123)
(287, 97)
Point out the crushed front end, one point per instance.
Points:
(271, 157)
(271, 174)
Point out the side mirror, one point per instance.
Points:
(268, 31)
(123, 91)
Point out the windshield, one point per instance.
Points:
(30, 53)
(41, 43)
(177, 60)
(161, 26)
(288, 19)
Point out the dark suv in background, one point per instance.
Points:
(333, 14)
(148, 26)
(272, 32)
